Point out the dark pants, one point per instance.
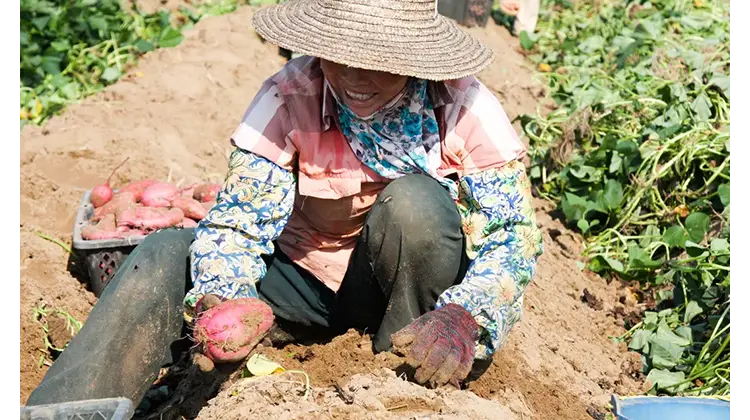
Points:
(411, 249)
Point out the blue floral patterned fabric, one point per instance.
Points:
(400, 139)
(503, 242)
(251, 212)
(498, 220)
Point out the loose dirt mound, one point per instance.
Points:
(173, 116)
(376, 396)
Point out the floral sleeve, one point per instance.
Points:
(251, 212)
(504, 243)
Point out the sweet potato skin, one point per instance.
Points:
(151, 218)
(159, 194)
(190, 207)
(120, 202)
(138, 188)
(206, 192)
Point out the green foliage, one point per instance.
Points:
(73, 48)
(637, 156)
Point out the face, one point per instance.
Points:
(363, 91)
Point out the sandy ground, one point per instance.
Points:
(173, 115)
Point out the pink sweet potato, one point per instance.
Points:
(188, 223)
(151, 218)
(118, 203)
(103, 229)
(101, 194)
(138, 187)
(159, 194)
(190, 207)
(206, 192)
(229, 331)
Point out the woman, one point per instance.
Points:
(375, 184)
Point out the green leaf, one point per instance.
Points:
(650, 320)
(627, 148)
(527, 42)
(609, 142)
(702, 107)
(144, 46)
(98, 23)
(662, 378)
(612, 194)
(583, 225)
(721, 81)
(111, 74)
(639, 259)
(697, 225)
(666, 347)
(695, 250)
(591, 44)
(724, 194)
(719, 245)
(640, 340)
(691, 311)
(573, 206)
(685, 332)
(675, 236)
(650, 28)
(170, 37)
(615, 164)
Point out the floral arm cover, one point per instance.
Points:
(251, 212)
(504, 242)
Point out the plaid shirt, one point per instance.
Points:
(293, 179)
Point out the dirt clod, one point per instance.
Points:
(591, 300)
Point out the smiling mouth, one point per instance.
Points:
(360, 97)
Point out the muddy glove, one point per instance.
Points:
(440, 344)
(227, 330)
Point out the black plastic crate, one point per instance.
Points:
(466, 12)
(102, 257)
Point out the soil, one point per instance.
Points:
(58, 331)
(173, 114)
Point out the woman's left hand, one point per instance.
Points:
(227, 330)
(440, 344)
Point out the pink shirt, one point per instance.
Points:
(292, 122)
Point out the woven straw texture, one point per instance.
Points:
(405, 37)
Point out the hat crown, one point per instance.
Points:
(411, 10)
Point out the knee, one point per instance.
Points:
(419, 207)
(161, 260)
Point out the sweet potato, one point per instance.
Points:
(206, 192)
(188, 223)
(103, 229)
(159, 194)
(151, 218)
(190, 207)
(230, 330)
(101, 194)
(118, 203)
(138, 187)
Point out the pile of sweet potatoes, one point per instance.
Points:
(144, 206)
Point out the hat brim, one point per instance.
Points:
(437, 50)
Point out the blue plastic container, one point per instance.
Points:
(103, 409)
(670, 408)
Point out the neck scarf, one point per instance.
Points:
(399, 139)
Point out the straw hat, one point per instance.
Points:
(405, 37)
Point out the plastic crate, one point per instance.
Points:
(101, 257)
(103, 409)
(466, 12)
